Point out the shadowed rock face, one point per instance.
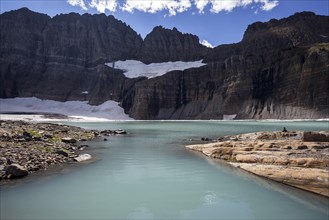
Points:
(279, 70)
(295, 86)
(70, 38)
(58, 58)
(171, 45)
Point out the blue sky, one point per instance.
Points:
(216, 21)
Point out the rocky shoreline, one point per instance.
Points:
(27, 148)
(295, 158)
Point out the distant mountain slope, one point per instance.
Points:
(279, 70)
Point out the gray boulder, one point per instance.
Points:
(316, 136)
(82, 157)
(15, 171)
(69, 140)
(62, 152)
(120, 131)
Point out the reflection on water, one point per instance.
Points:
(148, 174)
(316, 202)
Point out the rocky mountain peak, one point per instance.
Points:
(299, 29)
(164, 44)
(24, 15)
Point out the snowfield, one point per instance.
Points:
(80, 110)
(135, 68)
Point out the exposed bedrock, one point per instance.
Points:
(296, 85)
(295, 158)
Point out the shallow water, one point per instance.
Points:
(148, 174)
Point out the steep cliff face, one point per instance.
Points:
(171, 45)
(71, 38)
(61, 57)
(90, 38)
(279, 70)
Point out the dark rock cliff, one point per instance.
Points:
(58, 58)
(279, 70)
(171, 45)
(297, 86)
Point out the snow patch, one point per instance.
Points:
(206, 43)
(228, 117)
(135, 68)
(109, 110)
(324, 36)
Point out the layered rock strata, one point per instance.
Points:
(279, 70)
(296, 158)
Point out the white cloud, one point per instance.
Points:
(217, 6)
(206, 43)
(172, 7)
(268, 5)
(80, 3)
(102, 5)
(152, 6)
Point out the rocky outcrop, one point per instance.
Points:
(278, 71)
(316, 137)
(15, 171)
(281, 156)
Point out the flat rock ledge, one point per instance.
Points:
(295, 158)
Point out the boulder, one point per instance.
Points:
(82, 147)
(120, 131)
(27, 135)
(315, 137)
(69, 140)
(62, 152)
(82, 157)
(15, 171)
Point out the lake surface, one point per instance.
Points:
(148, 174)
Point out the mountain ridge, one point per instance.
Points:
(278, 70)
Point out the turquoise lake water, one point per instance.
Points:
(148, 174)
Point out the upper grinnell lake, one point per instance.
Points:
(148, 174)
